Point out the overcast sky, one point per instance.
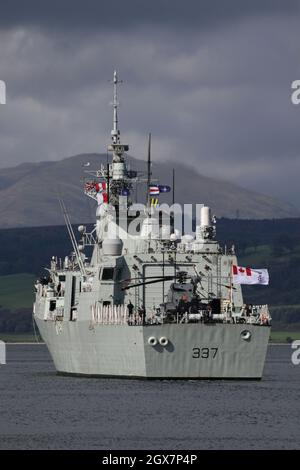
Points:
(210, 79)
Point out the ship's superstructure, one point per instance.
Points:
(150, 301)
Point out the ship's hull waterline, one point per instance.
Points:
(193, 351)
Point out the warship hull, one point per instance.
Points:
(193, 351)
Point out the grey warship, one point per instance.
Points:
(149, 301)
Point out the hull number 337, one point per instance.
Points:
(205, 353)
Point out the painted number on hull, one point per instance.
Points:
(204, 353)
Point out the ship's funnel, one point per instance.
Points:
(112, 246)
(205, 216)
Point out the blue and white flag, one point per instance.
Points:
(164, 188)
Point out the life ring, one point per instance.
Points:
(152, 341)
(246, 335)
(163, 341)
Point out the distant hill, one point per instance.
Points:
(28, 192)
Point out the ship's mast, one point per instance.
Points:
(117, 176)
(115, 133)
(116, 147)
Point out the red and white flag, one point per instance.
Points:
(102, 198)
(153, 190)
(100, 187)
(242, 275)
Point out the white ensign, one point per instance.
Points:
(241, 275)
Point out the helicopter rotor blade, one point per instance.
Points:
(138, 278)
(178, 275)
(167, 278)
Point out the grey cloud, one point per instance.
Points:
(216, 98)
(126, 14)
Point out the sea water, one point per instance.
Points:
(41, 410)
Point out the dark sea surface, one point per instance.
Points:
(41, 410)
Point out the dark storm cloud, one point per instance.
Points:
(125, 14)
(210, 80)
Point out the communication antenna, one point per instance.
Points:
(149, 174)
(172, 216)
(115, 133)
(107, 182)
(173, 186)
(72, 236)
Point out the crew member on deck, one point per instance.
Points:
(130, 312)
(183, 305)
(142, 314)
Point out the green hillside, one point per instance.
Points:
(284, 336)
(16, 291)
(283, 293)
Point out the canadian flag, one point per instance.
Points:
(100, 187)
(101, 193)
(242, 275)
(102, 198)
